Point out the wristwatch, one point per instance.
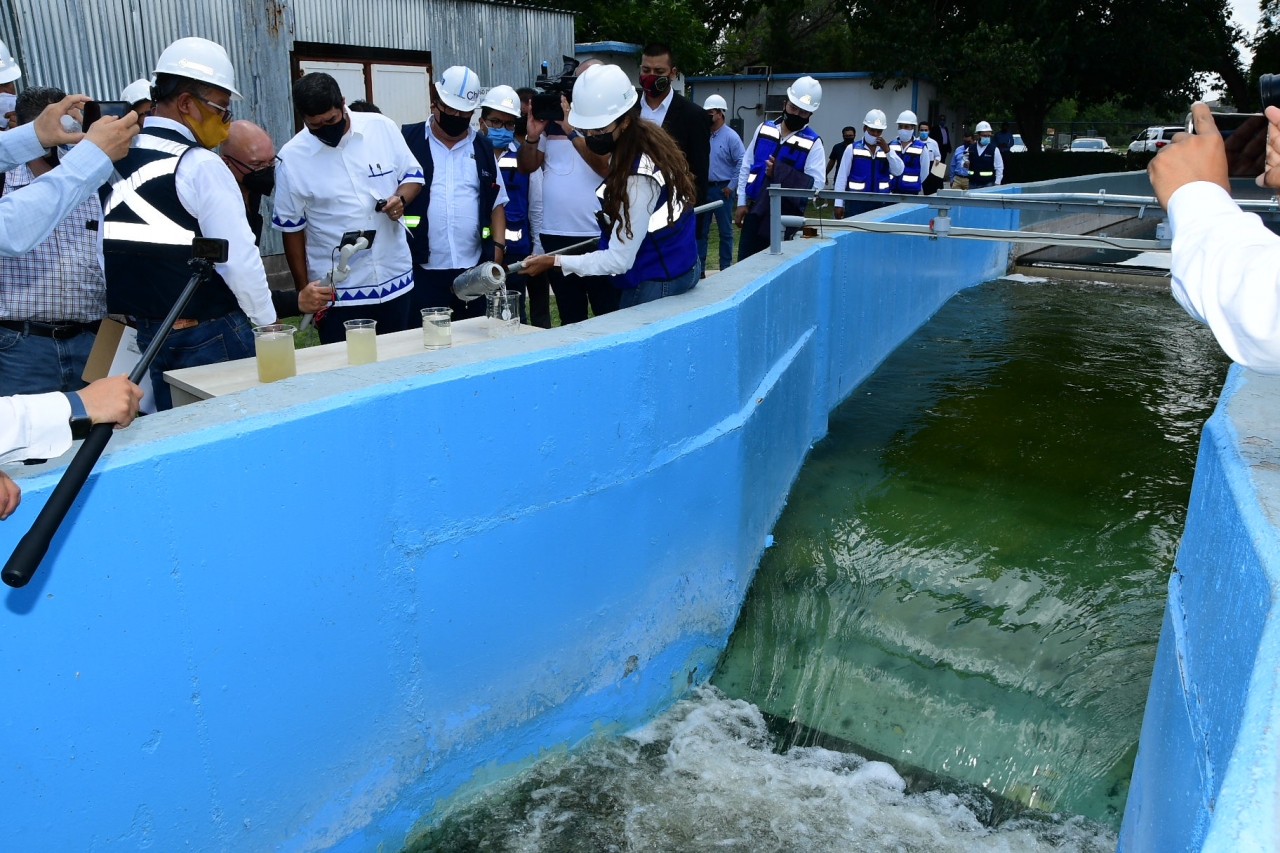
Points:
(81, 424)
(573, 134)
(531, 140)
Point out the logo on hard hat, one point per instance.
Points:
(507, 102)
(195, 66)
(806, 99)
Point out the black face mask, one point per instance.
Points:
(452, 125)
(794, 122)
(261, 181)
(331, 134)
(602, 144)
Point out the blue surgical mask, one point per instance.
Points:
(983, 141)
(501, 137)
(924, 134)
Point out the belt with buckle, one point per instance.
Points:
(56, 330)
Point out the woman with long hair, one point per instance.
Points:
(649, 242)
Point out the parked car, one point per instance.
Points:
(1018, 145)
(1091, 144)
(1153, 139)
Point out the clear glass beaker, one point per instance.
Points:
(436, 333)
(273, 347)
(362, 341)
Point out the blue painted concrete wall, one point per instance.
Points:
(1209, 756)
(296, 617)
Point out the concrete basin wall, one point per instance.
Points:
(297, 617)
(1209, 755)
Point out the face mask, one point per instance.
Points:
(7, 105)
(501, 137)
(331, 134)
(261, 181)
(453, 126)
(983, 141)
(924, 134)
(870, 138)
(210, 131)
(794, 122)
(904, 135)
(602, 144)
(654, 85)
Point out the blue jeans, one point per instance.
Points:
(724, 221)
(648, 291)
(212, 341)
(32, 364)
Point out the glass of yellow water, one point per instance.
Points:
(436, 333)
(362, 341)
(274, 347)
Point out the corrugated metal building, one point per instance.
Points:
(99, 46)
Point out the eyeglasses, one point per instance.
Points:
(603, 131)
(225, 112)
(498, 124)
(253, 167)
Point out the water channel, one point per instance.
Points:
(948, 646)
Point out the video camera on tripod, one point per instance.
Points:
(545, 105)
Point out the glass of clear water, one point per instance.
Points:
(503, 311)
(435, 328)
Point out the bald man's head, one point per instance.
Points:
(250, 145)
(584, 66)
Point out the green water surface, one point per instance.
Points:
(970, 574)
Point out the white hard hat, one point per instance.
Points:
(503, 99)
(715, 102)
(907, 117)
(983, 126)
(199, 59)
(459, 89)
(9, 70)
(875, 120)
(601, 95)
(138, 90)
(805, 93)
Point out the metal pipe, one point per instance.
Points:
(995, 234)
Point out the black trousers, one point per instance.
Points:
(433, 289)
(573, 292)
(392, 316)
(539, 294)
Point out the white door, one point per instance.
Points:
(350, 76)
(402, 92)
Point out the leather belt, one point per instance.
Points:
(58, 331)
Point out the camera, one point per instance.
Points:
(1269, 88)
(545, 105)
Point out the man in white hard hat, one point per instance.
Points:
(347, 171)
(461, 210)
(499, 115)
(170, 189)
(786, 152)
(138, 96)
(914, 153)
(10, 74)
(868, 166)
(727, 152)
(986, 166)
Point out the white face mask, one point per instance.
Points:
(905, 135)
(7, 104)
(870, 138)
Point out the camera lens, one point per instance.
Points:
(1269, 86)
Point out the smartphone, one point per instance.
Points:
(94, 110)
(349, 238)
(545, 106)
(1245, 137)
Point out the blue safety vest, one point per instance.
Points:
(982, 165)
(912, 155)
(869, 171)
(519, 235)
(794, 152)
(670, 247)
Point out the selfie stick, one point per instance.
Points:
(338, 274)
(26, 558)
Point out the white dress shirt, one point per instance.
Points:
(208, 192)
(453, 224)
(569, 187)
(328, 191)
(27, 219)
(815, 166)
(643, 193)
(1226, 273)
(34, 426)
(657, 114)
(896, 167)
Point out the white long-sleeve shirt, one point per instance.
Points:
(896, 167)
(815, 166)
(28, 218)
(643, 193)
(1226, 273)
(34, 426)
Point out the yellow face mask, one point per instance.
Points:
(210, 131)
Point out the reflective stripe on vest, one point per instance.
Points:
(155, 226)
(515, 236)
(507, 161)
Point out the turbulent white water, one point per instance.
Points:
(704, 776)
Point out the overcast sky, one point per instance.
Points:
(1246, 14)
